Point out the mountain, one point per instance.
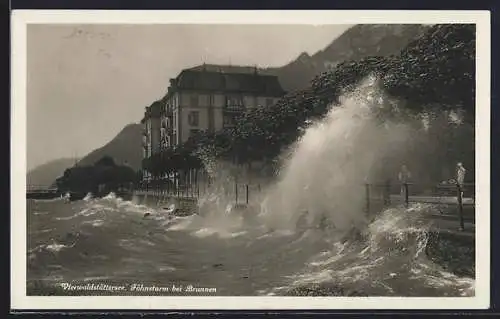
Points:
(124, 148)
(44, 175)
(357, 42)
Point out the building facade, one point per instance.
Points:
(210, 97)
(151, 131)
(205, 98)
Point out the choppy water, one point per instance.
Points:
(110, 241)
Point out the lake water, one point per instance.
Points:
(109, 241)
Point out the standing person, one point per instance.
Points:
(404, 178)
(461, 176)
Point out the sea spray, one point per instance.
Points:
(322, 178)
(325, 174)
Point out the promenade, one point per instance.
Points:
(451, 216)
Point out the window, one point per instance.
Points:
(269, 102)
(194, 118)
(234, 102)
(168, 108)
(164, 141)
(194, 100)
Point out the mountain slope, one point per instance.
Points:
(356, 43)
(44, 175)
(124, 148)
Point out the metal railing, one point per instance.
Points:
(450, 194)
(375, 194)
(39, 189)
(239, 192)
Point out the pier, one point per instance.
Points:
(41, 192)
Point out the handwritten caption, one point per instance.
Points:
(137, 288)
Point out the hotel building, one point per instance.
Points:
(206, 98)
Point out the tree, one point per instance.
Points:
(89, 178)
(436, 72)
(106, 161)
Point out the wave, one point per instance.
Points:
(386, 262)
(383, 257)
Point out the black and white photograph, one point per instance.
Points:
(166, 162)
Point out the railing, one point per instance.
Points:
(239, 192)
(376, 195)
(441, 194)
(39, 189)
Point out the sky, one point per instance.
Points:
(86, 82)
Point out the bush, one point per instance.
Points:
(88, 178)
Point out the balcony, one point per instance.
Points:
(145, 132)
(234, 109)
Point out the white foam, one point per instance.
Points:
(204, 232)
(55, 247)
(110, 196)
(183, 223)
(165, 268)
(40, 213)
(94, 223)
(232, 235)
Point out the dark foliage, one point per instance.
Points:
(434, 72)
(356, 43)
(105, 174)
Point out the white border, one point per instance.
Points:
(20, 18)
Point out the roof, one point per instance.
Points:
(225, 68)
(152, 111)
(242, 79)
